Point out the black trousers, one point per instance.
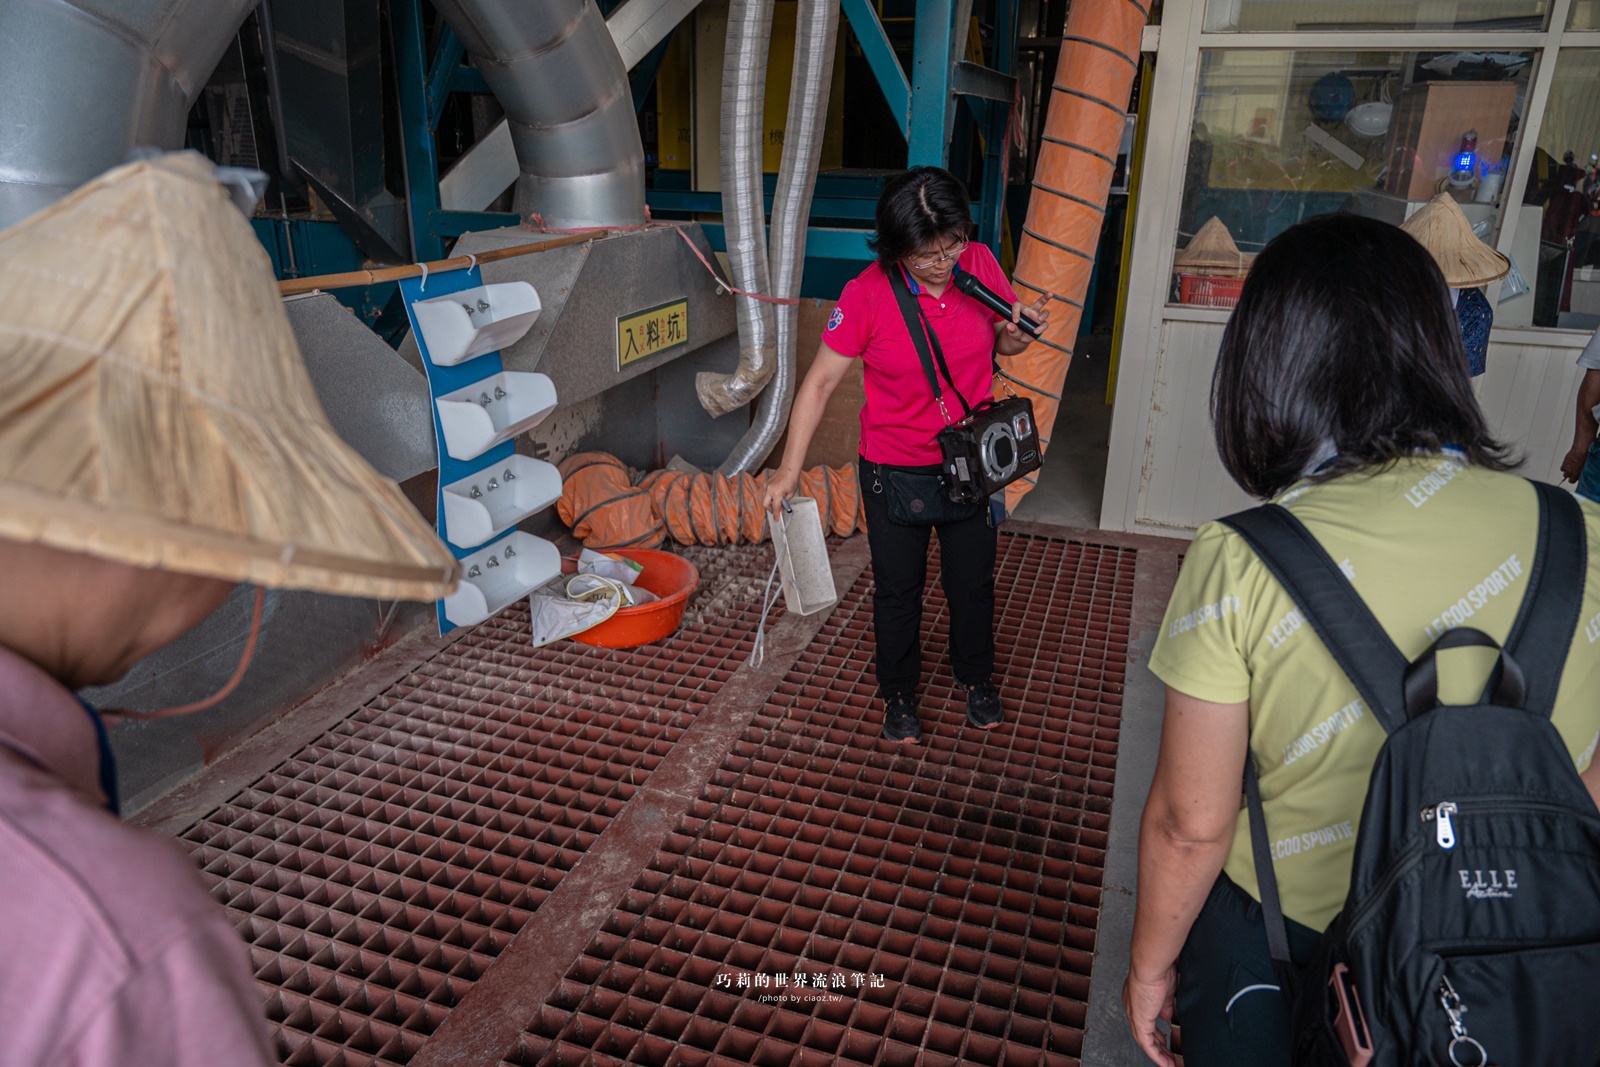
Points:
(1229, 1004)
(899, 570)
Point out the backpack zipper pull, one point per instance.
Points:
(1445, 830)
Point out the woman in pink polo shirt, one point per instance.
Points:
(924, 223)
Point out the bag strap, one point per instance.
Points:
(1357, 641)
(1541, 636)
(1359, 645)
(923, 337)
(1267, 883)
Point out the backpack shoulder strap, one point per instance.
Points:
(1541, 636)
(1360, 647)
(1337, 614)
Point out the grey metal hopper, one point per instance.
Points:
(376, 401)
(587, 288)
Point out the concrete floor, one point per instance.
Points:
(469, 851)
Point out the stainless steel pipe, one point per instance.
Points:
(744, 214)
(816, 30)
(84, 81)
(556, 71)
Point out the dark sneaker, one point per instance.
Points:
(900, 721)
(983, 705)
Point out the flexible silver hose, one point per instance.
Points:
(556, 71)
(744, 78)
(816, 30)
(84, 81)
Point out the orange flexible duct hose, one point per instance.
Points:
(608, 504)
(1077, 156)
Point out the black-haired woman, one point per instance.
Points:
(924, 224)
(1341, 391)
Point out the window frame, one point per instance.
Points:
(1545, 45)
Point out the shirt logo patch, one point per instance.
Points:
(835, 319)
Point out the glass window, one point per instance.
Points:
(1288, 16)
(1557, 243)
(1585, 15)
(1280, 136)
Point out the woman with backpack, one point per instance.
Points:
(1341, 393)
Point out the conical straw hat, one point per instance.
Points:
(155, 409)
(1212, 249)
(1442, 228)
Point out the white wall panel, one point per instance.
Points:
(1182, 483)
(1529, 397)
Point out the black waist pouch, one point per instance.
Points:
(924, 499)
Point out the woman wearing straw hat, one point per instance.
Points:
(160, 441)
(1467, 264)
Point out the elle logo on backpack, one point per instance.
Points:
(1470, 933)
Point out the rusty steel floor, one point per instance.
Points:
(475, 852)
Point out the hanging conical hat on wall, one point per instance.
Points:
(155, 409)
(1211, 251)
(1442, 228)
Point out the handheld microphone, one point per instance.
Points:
(967, 283)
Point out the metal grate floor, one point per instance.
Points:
(929, 906)
(377, 873)
(944, 895)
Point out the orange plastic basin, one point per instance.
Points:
(670, 577)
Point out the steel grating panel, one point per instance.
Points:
(945, 894)
(377, 873)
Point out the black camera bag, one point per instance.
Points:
(993, 444)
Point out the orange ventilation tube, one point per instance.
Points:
(608, 505)
(1077, 156)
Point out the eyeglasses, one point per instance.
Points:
(931, 263)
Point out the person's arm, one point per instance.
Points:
(1585, 428)
(827, 371)
(1184, 839)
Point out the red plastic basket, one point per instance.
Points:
(1209, 290)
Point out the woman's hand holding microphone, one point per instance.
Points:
(1012, 338)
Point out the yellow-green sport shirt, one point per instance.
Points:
(1430, 544)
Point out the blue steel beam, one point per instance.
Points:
(421, 155)
(881, 59)
(431, 224)
(442, 72)
(996, 126)
(822, 207)
(932, 63)
(822, 242)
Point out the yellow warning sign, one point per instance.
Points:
(657, 329)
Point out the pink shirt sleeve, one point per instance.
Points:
(849, 326)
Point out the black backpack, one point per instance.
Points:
(1470, 934)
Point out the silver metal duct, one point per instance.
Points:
(83, 81)
(556, 71)
(744, 81)
(816, 30)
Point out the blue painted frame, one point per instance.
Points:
(442, 380)
(925, 115)
(424, 87)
